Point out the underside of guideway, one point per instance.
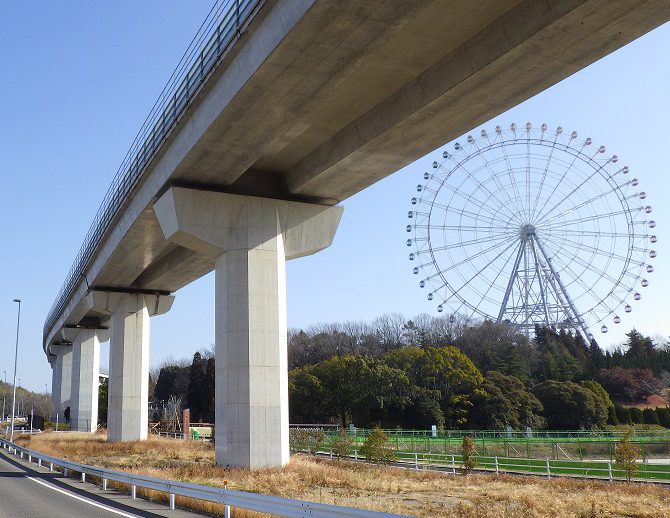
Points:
(287, 108)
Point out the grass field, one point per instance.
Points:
(416, 493)
(580, 446)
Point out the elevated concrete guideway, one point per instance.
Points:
(315, 101)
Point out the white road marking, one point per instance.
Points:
(82, 499)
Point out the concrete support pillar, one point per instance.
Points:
(61, 379)
(128, 412)
(250, 239)
(128, 389)
(85, 381)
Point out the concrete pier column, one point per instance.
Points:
(127, 411)
(250, 239)
(61, 379)
(85, 381)
(128, 389)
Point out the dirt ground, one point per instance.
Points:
(406, 492)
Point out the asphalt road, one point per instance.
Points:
(27, 491)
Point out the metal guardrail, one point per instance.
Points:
(227, 497)
(214, 38)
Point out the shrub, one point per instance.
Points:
(341, 445)
(468, 452)
(376, 448)
(627, 455)
(306, 440)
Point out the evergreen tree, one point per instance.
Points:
(102, 401)
(210, 391)
(636, 415)
(196, 389)
(650, 417)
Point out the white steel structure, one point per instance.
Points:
(532, 226)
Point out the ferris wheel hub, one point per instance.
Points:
(527, 231)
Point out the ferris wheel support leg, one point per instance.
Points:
(564, 292)
(510, 284)
(249, 239)
(539, 280)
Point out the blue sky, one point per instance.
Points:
(78, 79)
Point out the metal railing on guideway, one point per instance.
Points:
(217, 34)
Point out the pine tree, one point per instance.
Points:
(210, 391)
(196, 388)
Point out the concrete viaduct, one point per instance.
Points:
(286, 108)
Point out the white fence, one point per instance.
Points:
(227, 497)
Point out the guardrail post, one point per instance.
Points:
(30, 458)
(496, 459)
(609, 470)
(133, 492)
(65, 472)
(453, 464)
(171, 501)
(51, 466)
(355, 454)
(39, 462)
(104, 484)
(416, 461)
(21, 453)
(83, 477)
(548, 470)
(226, 507)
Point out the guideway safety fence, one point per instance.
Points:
(218, 33)
(227, 497)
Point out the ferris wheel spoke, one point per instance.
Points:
(476, 256)
(577, 278)
(585, 219)
(586, 203)
(474, 215)
(594, 233)
(544, 179)
(567, 196)
(565, 172)
(483, 297)
(511, 177)
(459, 192)
(479, 272)
(496, 180)
(461, 244)
(602, 272)
(467, 228)
(599, 251)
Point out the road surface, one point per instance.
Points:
(27, 491)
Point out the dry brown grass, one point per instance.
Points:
(417, 493)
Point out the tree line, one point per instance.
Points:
(451, 373)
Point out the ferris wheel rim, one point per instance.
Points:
(542, 221)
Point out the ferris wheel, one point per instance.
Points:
(532, 226)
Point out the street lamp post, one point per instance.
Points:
(16, 355)
(4, 391)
